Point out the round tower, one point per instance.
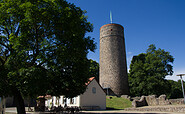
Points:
(113, 66)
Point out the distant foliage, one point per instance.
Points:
(94, 69)
(148, 70)
(176, 89)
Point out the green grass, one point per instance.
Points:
(117, 103)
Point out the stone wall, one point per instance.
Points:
(140, 103)
(126, 97)
(151, 100)
(176, 101)
(160, 104)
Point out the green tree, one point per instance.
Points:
(43, 49)
(148, 71)
(94, 69)
(176, 89)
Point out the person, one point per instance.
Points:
(65, 104)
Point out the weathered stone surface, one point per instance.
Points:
(140, 103)
(135, 98)
(125, 96)
(113, 67)
(162, 100)
(176, 101)
(151, 100)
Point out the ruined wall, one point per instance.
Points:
(151, 100)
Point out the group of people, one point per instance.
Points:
(65, 110)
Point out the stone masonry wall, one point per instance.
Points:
(151, 100)
(113, 67)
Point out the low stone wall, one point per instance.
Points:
(160, 104)
(126, 97)
(176, 101)
(151, 101)
(139, 103)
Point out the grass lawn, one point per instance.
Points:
(117, 103)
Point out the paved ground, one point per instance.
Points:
(13, 111)
(164, 108)
(127, 112)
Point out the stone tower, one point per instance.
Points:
(113, 66)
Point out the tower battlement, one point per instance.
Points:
(111, 29)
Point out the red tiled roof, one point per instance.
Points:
(90, 80)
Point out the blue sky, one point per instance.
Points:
(159, 22)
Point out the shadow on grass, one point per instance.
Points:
(110, 108)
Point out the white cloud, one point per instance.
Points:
(129, 53)
(129, 59)
(128, 69)
(176, 72)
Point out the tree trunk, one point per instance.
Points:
(19, 102)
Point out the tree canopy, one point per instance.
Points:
(43, 48)
(176, 89)
(148, 70)
(94, 69)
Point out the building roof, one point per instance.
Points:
(90, 80)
